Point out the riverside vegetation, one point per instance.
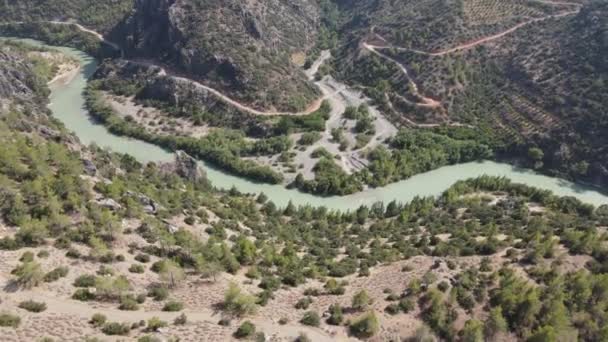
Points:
(91, 234)
(475, 87)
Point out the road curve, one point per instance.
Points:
(313, 107)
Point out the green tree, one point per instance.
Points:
(111, 288)
(472, 331)
(207, 269)
(544, 334)
(365, 326)
(171, 273)
(244, 250)
(335, 315)
(16, 212)
(361, 301)
(238, 303)
(495, 324)
(29, 274)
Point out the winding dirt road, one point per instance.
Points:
(424, 100)
(483, 40)
(95, 33)
(314, 106)
(431, 103)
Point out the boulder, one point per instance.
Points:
(109, 204)
(89, 167)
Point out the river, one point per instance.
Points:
(68, 105)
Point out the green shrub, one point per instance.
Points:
(143, 258)
(190, 220)
(27, 257)
(309, 138)
(155, 323)
(365, 326)
(105, 271)
(238, 303)
(225, 321)
(141, 298)
(32, 306)
(303, 338)
(73, 253)
(115, 328)
(392, 309)
(128, 303)
(304, 303)
(335, 315)
(135, 268)
(148, 338)
(98, 320)
(158, 293)
(56, 274)
(253, 273)
(260, 337)
(28, 274)
(361, 301)
(43, 254)
(8, 320)
(173, 306)
(247, 329)
(181, 319)
(406, 305)
(157, 266)
(83, 295)
(85, 280)
(311, 318)
(392, 297)
(311, 291)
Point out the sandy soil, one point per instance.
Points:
(66, 68)
(154, 120)
(67, 319)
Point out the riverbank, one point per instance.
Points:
(67, 103)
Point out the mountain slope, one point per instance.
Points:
(101, 15)
(246, 49)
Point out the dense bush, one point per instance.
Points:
(173, 306)
(115, 328)
(32, 306)
(56, 274)
(128, 303)
(9, 320)
(97, 320)
(365, 326)
(155, 323)
(85, 280)
(311, 318)
(246, 329)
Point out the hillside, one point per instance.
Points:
(101, 15)
(96, 246)
(394, 88)
(533, 81)
(249, 49)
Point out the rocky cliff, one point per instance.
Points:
(100, 15)
(243, 48)
(18, 84)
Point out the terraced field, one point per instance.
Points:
(492, 12)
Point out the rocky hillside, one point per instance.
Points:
(249, 49)
(539, 86)
(100, 14)
(19, 85)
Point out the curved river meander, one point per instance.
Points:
(67, 104)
